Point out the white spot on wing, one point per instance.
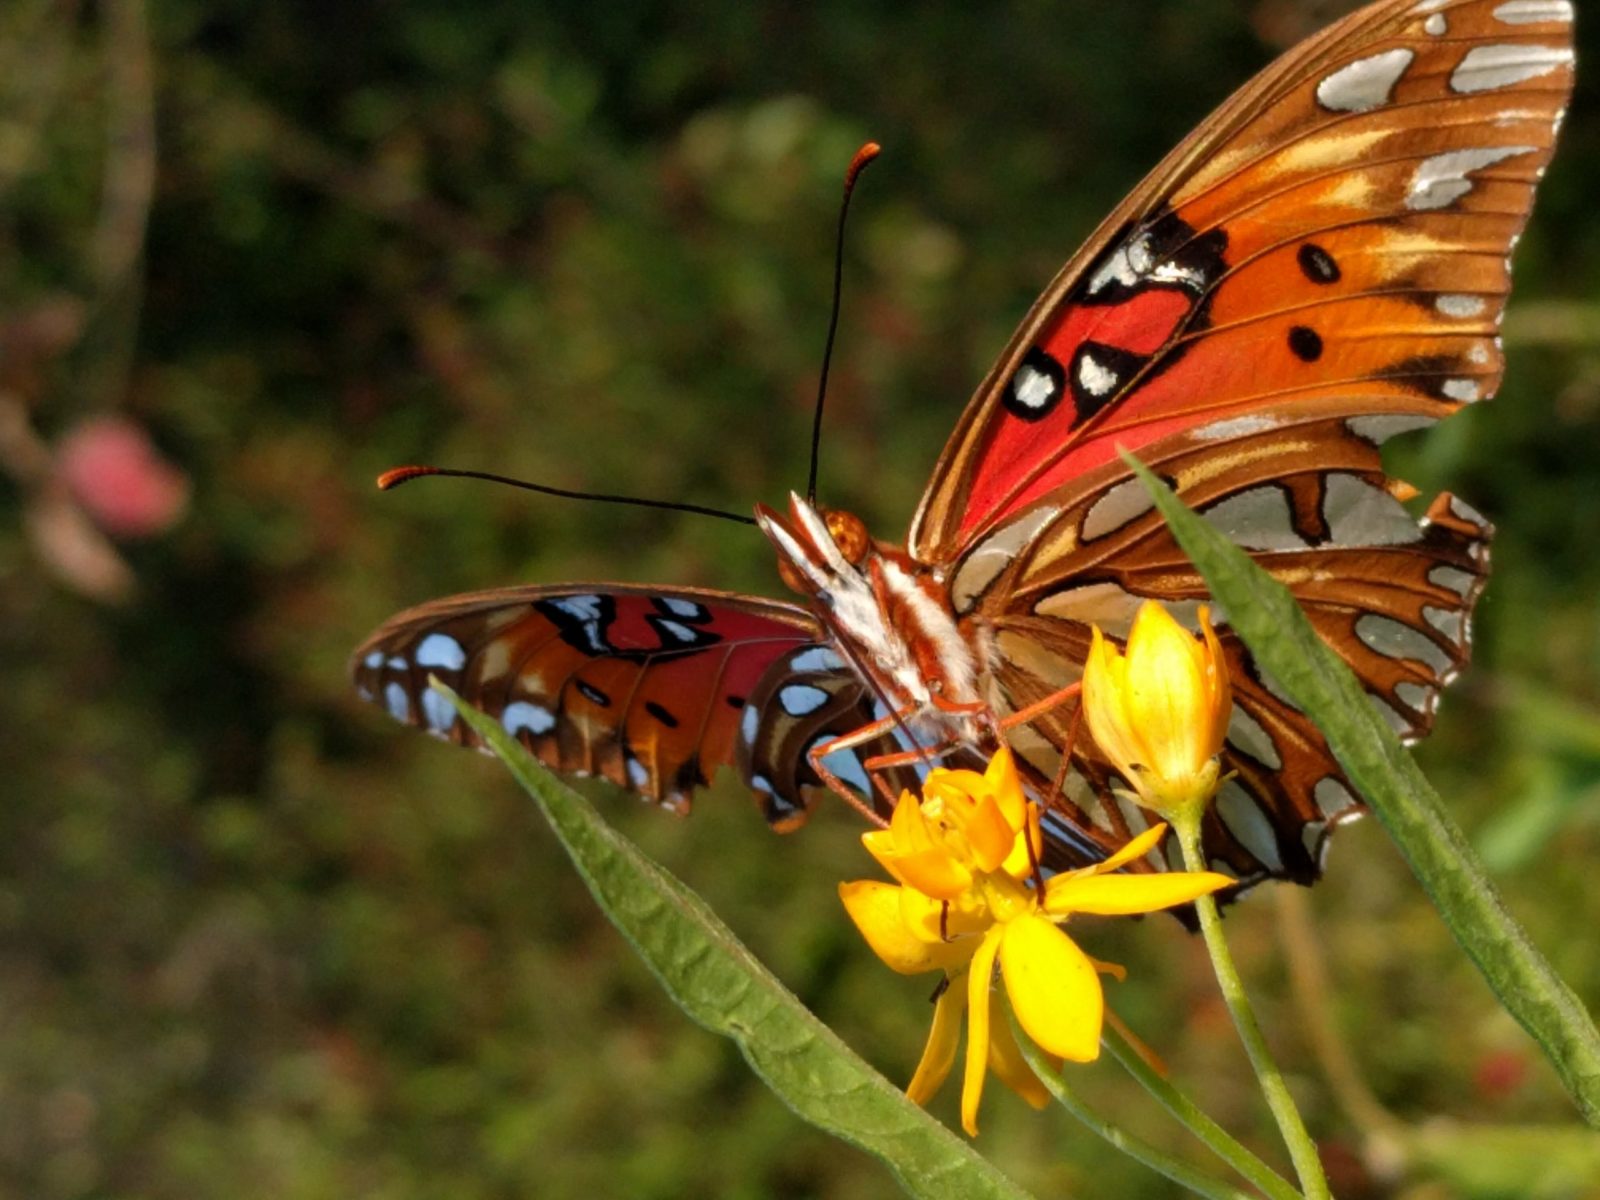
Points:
(1458, 581)
(1535, 12)
(522, 715)
(980, 568)
(638, 773)
(1464, 390)
(1116, 508)
(818, 658)
(801, 699)
(686, 609)
(1380, 427)
(1418, 696)
(1488, 67)
(442, 651)
(1359, 514)
(1461, 307)
(1032, 388)
(1096, 379)
(397, 702)
(1248, 824)
(438, 710)
(1366, 83)
(1436, 25)
(1245, 733)
(1394, 639)
(1233, 427)
(748, 724)
(1332, 797)
(1127, 265)
(373, 661)
(1442, 180)
(1448, 621)
(1258, 519)
(1466, 512)
(677, 632)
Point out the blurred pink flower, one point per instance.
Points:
(115, 472)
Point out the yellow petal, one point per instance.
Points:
(1005, 785)
(876, 910)
(1054, 988)
(979, 983)
(1120, 895)
(1221, 693)
(931, 872)
(1006, 1061)
(1136, 849)
(1104, 699)
(939, 1055)
(939, 921)
(1167, 692)
(1019, 863)
(990, 835)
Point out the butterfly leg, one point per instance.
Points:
(866, 733)
(1034, 711)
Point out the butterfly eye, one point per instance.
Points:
(849, 534)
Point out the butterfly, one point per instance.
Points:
(1320, 266)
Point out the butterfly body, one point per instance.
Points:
(1321, 266)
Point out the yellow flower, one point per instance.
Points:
(969, 898)
(1160, 712)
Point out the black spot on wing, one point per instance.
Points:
(1318, 265)
(1305, 343)
(661, 714)
(592, 694)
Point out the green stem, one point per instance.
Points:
(1302, 1150)
(1221, 1143)
(1135, 1147)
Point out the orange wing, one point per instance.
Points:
(650, 688)
(1339, 228)
(1322, 265)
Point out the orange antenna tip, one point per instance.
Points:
(859, 163)
(395, 476)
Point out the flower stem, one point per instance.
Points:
(1302, 1150)
(1135, 1147)
(1221, 1143)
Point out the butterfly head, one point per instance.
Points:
(874, 598)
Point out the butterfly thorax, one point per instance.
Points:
(885, 608)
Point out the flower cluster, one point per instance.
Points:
(969, 896)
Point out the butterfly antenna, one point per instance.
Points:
(394, 478)
(857, 164)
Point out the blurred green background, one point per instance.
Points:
(256, 941)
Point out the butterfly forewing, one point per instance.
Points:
(1321, 266)
(1339, 228)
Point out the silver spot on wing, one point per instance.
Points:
(1487, 67)
(1366, 83)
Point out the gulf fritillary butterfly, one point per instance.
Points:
(1318, 267)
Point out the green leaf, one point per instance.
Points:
(719, 983)
(1283, 642)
